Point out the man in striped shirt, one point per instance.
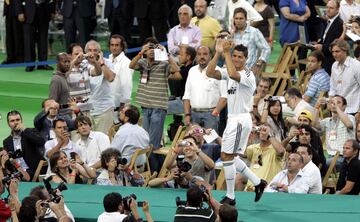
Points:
(152, 94)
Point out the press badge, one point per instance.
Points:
(144, 78)
(332, 136)
(82, 83)
(256, 166)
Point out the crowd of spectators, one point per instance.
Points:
(87, 130)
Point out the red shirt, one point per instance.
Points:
(5, 211)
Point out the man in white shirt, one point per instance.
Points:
(91, 143)
(121, 87)
(204, 97)
(61, 141)
(130, 135)
(114, 208)
(311, 171)
(345, 76)
(241, 86)
(348, 8)
(252, 14)
(292, 179)
(102, 74)
(294, 100)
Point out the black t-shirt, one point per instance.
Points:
(177, 87)
(194, 214)
(350, 172)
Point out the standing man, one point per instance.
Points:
(184, 34)
(14, 34)
(36, 15)
(333, 30)
(59, 88)
(27, 140)
(241, 87)
(78, 19)
(152, 94)
(209, 26)
(204, 98)
(253, 39)
(119, 14)
(101, 76)
(121, 87)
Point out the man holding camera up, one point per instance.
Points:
(152, 93)
(26, 144)
(241, 87)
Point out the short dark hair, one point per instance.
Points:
(240, 10)
(342, 99)
(107, 154)
(308, 148)
(151, 40)
(123, 43)
(133, 114)
(242, 48)
(44, 101)
(58, 120)
(228, 213)
(28, 209)
(72, 46)
(319, 55)
(357, 51)
(294, 92)
(301, 158)
(53, 160)
(194, 196)
(82, 119)
(38, 191)
(355, 144)
(112, 201)
(13, 113)
(191, 51)
(267, 80)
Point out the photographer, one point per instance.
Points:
(200, 163)
(11, 208)
(27, 142)
(116, 172)
(9, 166)
(193, 209)
(225, 212)
(69, 171)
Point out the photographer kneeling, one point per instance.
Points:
(116, 172)
(193, 209)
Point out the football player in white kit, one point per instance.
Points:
(241, 86)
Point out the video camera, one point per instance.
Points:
(121, 161)
(183, 165)
(127, 201)
(54, 197)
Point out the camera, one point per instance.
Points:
(16, 175)
(127, 201)
(184, 143)
(16, 154)
(256, 129)
(152, 46)
(121, 161)
(183, 165)
(179, 202)
(54, 197)
(273, 98)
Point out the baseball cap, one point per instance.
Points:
(307, 114)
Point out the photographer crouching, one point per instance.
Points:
(119, 209)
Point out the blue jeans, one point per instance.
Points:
(339, 161)
(205, 119)
(153, 123)
(175, 106)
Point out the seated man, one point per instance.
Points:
(43, 121)
(200, 163)
(311, 171)
(349, 180)
(292, 179)
(130, 135)
(193, 210)
(266, 158)
(61, 141)
(25, 141)
(91, 143)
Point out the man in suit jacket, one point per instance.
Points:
(14, 34)
(36, 15)
(28, 140)
(78, 15)
(333, 30)
(152, 13)
(120, 17)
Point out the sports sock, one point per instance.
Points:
(244, 170)
(229, 172)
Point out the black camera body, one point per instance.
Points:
(183, 165)
(54, 197)
(127, 201)
(122, 161)
(16, 175)
(16, 154)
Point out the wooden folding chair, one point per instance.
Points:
(146, 173)
(112, 131)
(331, 173)
(281, 74)
(303, 81)
(220, 180)
(41, 164)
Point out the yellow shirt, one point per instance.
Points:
(209, 28)
(272, 163)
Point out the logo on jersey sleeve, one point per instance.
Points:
(232, 90)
